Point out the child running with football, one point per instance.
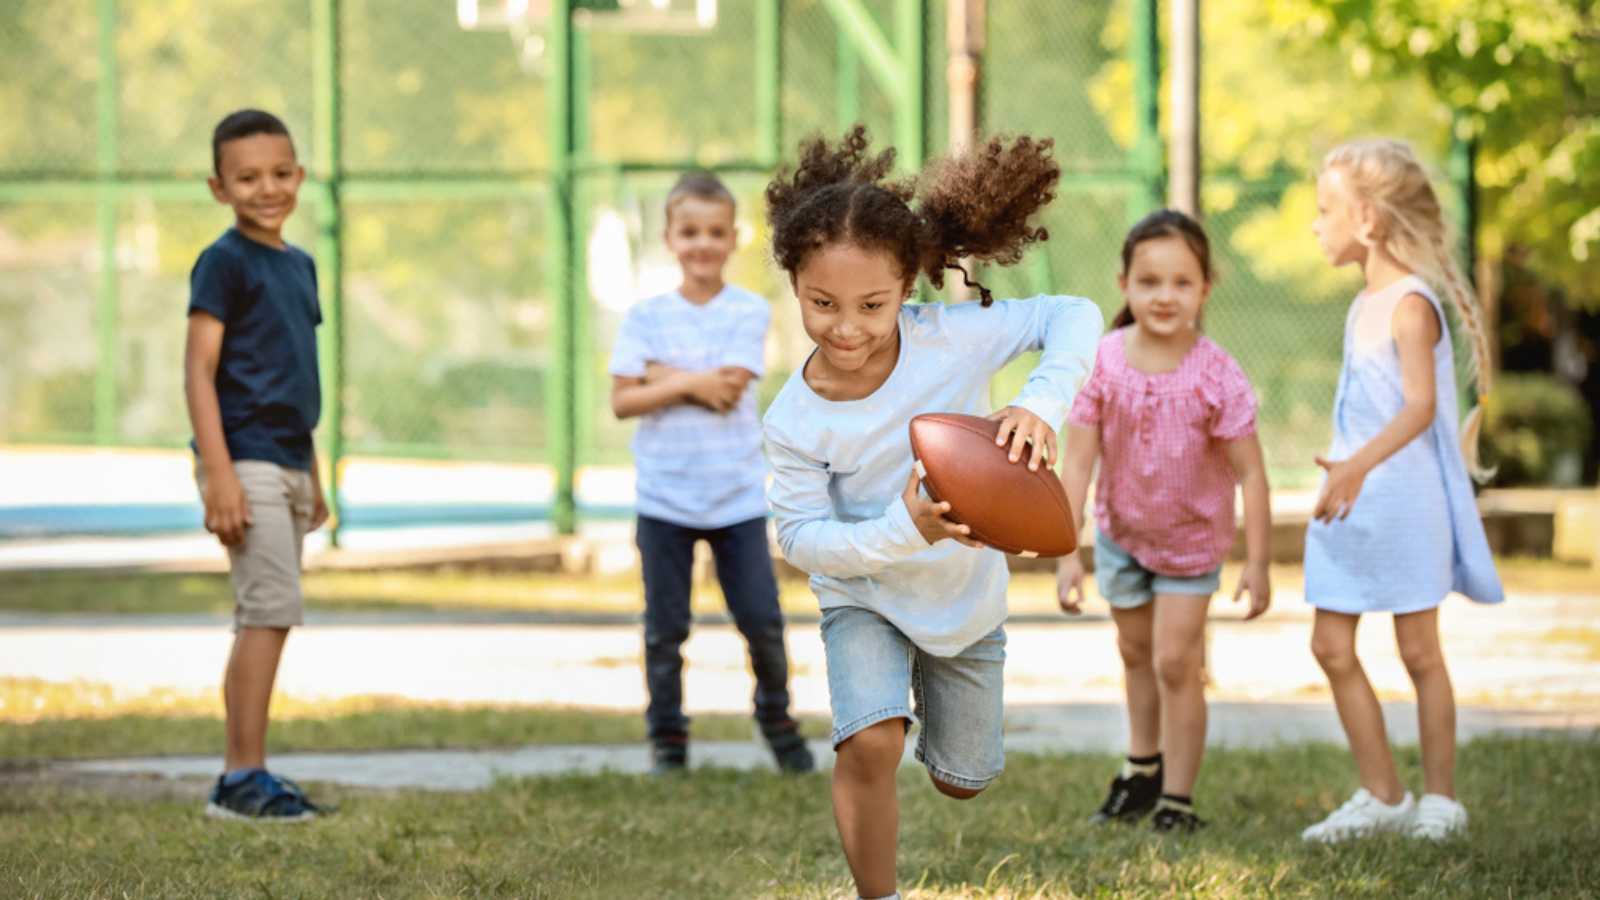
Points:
(1172, 419)
(911, 604)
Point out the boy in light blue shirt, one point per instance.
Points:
(683, 364)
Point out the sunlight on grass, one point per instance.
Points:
(53, 720)
(1586, 640)
(24, 700)
(447, 592)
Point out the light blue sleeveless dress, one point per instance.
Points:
(1414, 534)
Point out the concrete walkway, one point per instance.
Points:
(1527, 666)
(1534, 652)
(1095, 728)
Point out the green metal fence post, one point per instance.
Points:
(911, 31)
(901, 72)
(769, 81)
(561, 406)
(1464, 180)
(327, 165)
(1462, 169)
(1145, 48)
(847, 90)
(582, 70)
(853, 18)
(107, 358)
(585, 377)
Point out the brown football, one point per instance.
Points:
(1007, 506)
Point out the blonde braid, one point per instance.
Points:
(1387, 174)
(1481, 370)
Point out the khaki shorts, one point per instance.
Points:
(266, 567)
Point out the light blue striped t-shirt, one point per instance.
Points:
(839, 467)
(697, 468)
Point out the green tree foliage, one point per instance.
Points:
(1524, 78)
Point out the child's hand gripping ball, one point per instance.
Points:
(1005, 502)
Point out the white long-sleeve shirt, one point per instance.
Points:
(839, 467)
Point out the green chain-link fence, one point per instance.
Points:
(445, 213)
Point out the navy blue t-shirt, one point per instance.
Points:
(267, 383)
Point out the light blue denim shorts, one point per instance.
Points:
(873, 669)
(1128, 585)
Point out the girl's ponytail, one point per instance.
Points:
(977, 206)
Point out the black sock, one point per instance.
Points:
(1146, 766)
(1183, 802)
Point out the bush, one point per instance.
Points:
(1535, 430)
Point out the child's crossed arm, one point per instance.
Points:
(662, 386)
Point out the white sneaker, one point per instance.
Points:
(1437, 818)
(1361, 815)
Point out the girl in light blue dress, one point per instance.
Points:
(1395, 528)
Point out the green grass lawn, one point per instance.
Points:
(728, 834)
(459, 592)
(42, 720)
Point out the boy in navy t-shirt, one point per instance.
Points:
(250, 377)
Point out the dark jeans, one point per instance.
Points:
(744, 567)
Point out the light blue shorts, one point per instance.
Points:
(1128, 585)
(873, 668)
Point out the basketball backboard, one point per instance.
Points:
(661, 16)
(526, 20)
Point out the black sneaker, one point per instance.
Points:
(788, 746)
(261, 797)
(669, 756)
(1171, 818)
(1129, 800)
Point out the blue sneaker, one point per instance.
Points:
(260, 797)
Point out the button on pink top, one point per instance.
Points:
(1166, 490)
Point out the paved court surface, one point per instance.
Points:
(1529, 665)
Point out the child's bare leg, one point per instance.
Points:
(1135, 634)
(246, 693)
(865, 806)
(1180, 626)
(952, 790)
(1333, 641)
(1418, 636)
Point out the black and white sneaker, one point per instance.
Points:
(1175, 819)
(1129, 799)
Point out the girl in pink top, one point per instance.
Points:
(1176, 419)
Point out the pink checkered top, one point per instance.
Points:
(1165, 491)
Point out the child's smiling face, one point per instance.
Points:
(701, 234)
(1165, 286)
(850, 301)
(260, 178)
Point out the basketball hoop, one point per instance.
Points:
(526, 20)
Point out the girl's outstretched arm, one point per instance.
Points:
(1248, 464)
(1416, 329)
(1066, 329)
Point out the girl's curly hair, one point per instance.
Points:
(974, 205)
